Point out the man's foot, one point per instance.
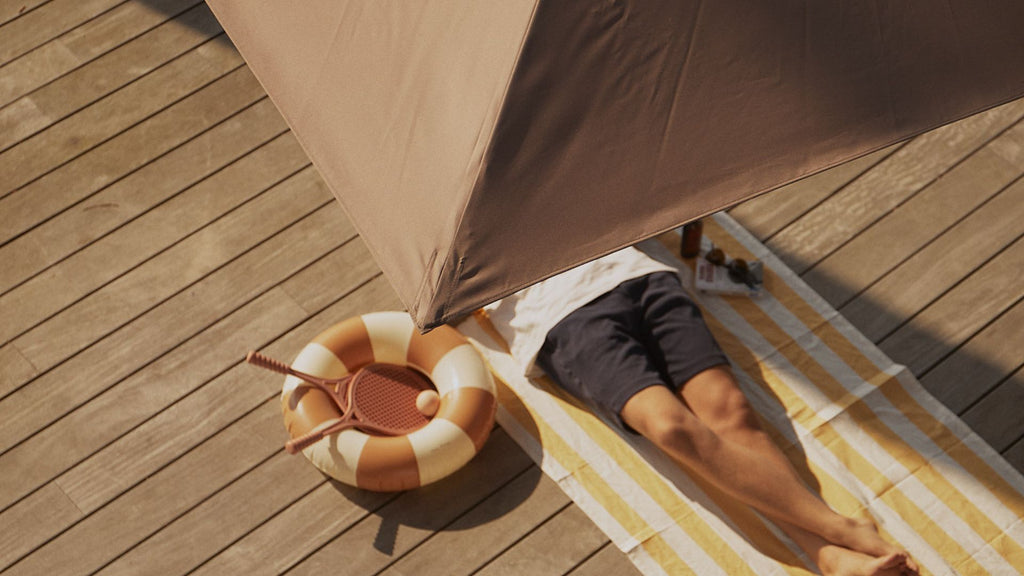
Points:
(839, 561)
(862, 536)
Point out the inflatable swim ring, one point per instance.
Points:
(390, 463)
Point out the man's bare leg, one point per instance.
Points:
(712, 430)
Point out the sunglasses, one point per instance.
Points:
(739, 270)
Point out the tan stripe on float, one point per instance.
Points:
(388, 464)
(472, 410)
(315, 359)
(350, 342)
(425, 350)
(305, 407)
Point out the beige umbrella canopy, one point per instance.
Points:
(480, 146)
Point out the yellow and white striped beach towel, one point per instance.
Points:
(859, 428)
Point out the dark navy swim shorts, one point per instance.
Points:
(645, 332)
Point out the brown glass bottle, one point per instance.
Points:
(690, 247)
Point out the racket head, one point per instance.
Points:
(382, 398)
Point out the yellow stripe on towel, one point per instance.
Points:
(923, 420)
(553, 444)
(837, 407)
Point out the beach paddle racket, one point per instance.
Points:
(378, 398)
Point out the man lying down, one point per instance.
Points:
(621, 334)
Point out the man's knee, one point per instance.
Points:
(739, 414)
(729, 412)
(679, 433)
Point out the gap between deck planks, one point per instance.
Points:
(135, 147)
(936, 280)
(183, 420)
(89, 62)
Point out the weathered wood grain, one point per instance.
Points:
(33, 521)
(159, 425)
(147, 338)
(227, 516)
(947, 260)
(171, 423)
(16, 369)
(139, 192)
(313, 536)
(980, 364)
(547, 550)
(607, 560)
(44, 151)
(841, 217)
(1015, 455)
(35, 27)
(174, 269)
(57, 58)
(139, 273)
(125, 153)
(11, 9)
(767, 214)
(161, 498)
(897, 235)
(155, 231)
(997, 416)
(943, 326)
(471, 541)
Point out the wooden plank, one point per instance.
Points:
(497, 523)
(137, 193)
(997, 416)
(311, 537)
(106, 75)
(765, 215)
(141, 239)
(36, 27)
(64, 140)
(109, 456)
(16, 369)
(84, 431)
(981, 364)
(159, 499)
(226, 517)
(174, 269)
(906, 229)
(11, 9)
(942, 326)
(175, 426)
(844, 214)
(608, 560)
(947, 260)
(33, 521)
(547, 550)
(1015, 455)
(83, 44)
(202, 531)
(147, 338)
(127, 152)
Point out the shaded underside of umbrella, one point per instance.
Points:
(480, 146)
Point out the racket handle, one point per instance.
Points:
(257, 359)
(296, 445)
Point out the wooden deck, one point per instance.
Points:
(157, 220)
